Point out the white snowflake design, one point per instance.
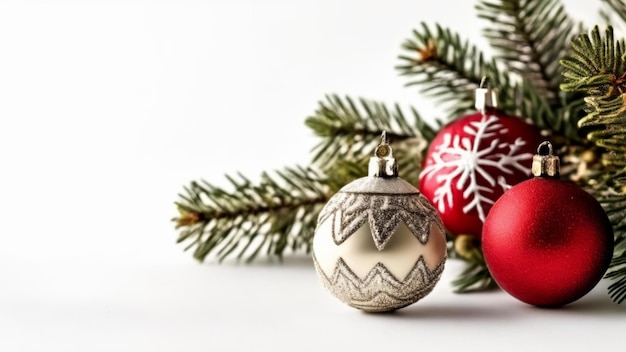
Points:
(469, 161)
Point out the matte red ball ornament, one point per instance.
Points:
(473, 160)
(546, 241)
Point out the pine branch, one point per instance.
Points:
(276, 214)
(618, 7)
(350, 130)
(476, 275)
(447, 67)
(606, 126)
(615, 206)
(530, 37)
(595, 65)
(597, 68)
(450, 69)
(280, 212)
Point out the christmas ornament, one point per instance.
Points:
(473, 160)
(546, 241)
(379, 245)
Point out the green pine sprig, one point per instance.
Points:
(448, 69)
(615, 207)
(445, 66)
(350, 129)
(529, 37)
(280, 211)
(597, 68)
(616, 7)
(272, 215)
(475, 276)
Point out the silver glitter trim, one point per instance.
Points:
(383, 212)
(381, 291)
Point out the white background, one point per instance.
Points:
(107, 108)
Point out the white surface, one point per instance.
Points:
(107, 108)
(270, 307)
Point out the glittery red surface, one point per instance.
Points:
(547, 242)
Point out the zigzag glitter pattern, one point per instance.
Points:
(381, 291)
(383, 212)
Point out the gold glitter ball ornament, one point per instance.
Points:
(379, 244)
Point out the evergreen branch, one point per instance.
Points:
(476, 275)
(597, 68)
(596, 65)
(447, 67)
(617, 7)
(450, 69)
(278, 213)
(530, 37)
(615, 207)
(474, 278)
(606, 126)
(350, 131)
(559, 119)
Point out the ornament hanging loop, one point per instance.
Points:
(485, 96)
(545, 163)
(383, 164)
(383, 149)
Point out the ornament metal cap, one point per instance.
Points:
(486, 97)
(546, 164)
(383, 164)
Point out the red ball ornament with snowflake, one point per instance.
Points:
(473, 160)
